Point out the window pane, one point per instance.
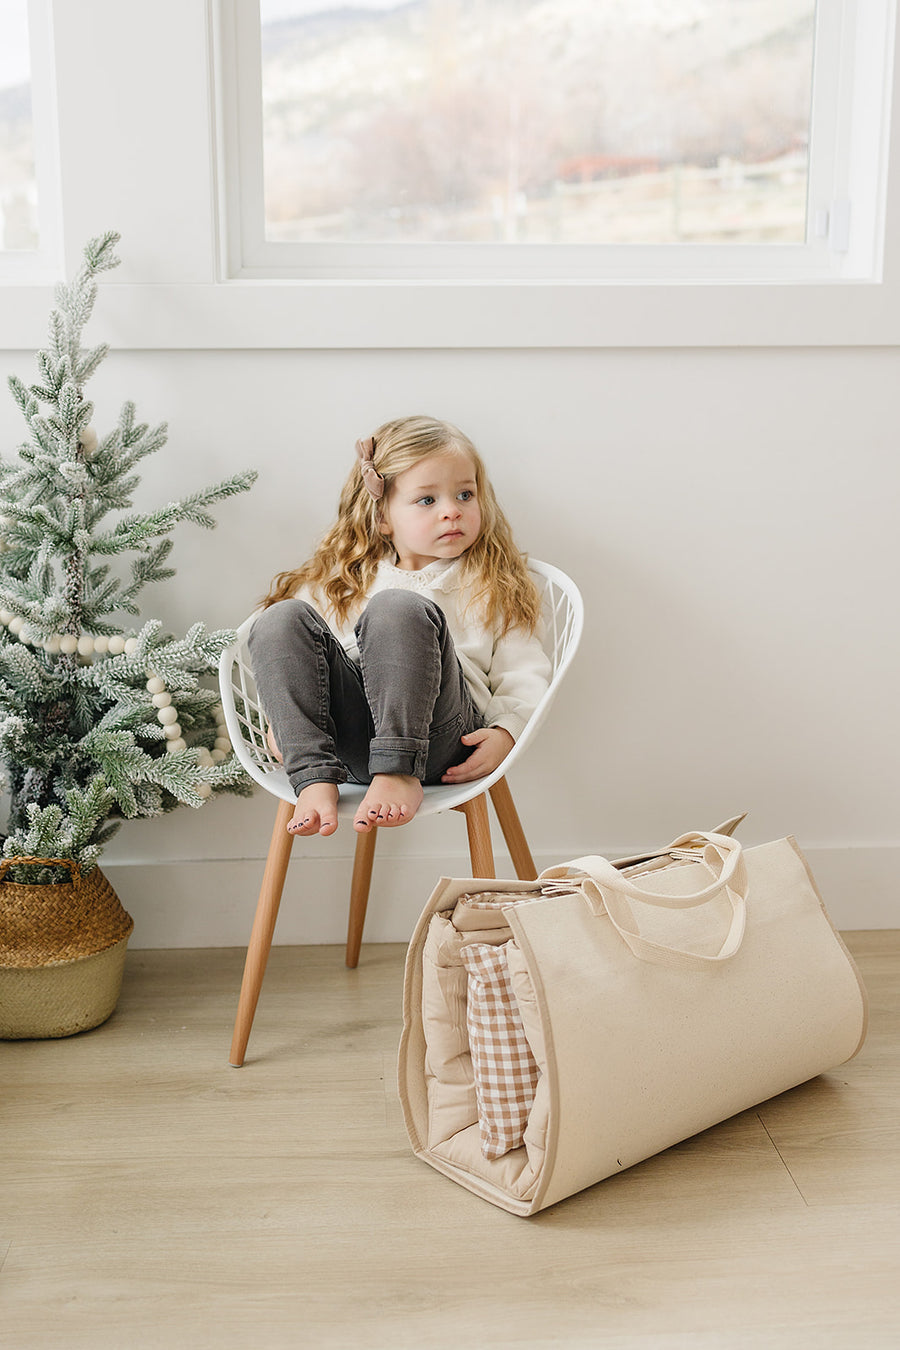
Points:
(18, 187)
(536, 121)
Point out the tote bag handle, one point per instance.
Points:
(722, 853)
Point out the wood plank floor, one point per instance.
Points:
(151, 1196)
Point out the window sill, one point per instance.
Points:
(359, 315)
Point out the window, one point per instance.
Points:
(183, 178)
(534, 139)
(29, 190)
(18, 181)
(528, 122)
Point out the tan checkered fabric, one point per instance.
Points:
(504, 1068)
(497, 899)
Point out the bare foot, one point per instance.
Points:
(391, 799)
(316, 810)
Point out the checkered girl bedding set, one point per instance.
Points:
(559, 1031)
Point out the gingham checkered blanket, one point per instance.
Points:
(504, 1068)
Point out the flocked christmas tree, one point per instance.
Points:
(97, 724)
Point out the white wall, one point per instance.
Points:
(729, 511)
(731, 519)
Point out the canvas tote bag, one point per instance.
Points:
(654, 996)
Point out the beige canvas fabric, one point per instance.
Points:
(658, 998)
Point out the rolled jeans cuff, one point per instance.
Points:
(327, 773)
(398, 754)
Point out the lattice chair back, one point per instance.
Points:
(563, 619)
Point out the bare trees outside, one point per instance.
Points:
(538, 121)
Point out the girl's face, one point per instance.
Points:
(431, 511)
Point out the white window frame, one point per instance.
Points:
(844, 239)
(34, 266)
(153, 172)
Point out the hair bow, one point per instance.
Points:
(374, 483)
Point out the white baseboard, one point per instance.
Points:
(210, 903)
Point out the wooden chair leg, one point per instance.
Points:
(359, 894)
(478, 825)
(262, 931)
(513, 833)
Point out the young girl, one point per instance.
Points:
(406, 651)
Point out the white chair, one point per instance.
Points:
(564, 617)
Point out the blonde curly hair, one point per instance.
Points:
(343, 567)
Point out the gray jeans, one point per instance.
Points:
(402, 710)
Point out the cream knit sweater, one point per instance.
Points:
(507, 675)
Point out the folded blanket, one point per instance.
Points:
(504, 1067)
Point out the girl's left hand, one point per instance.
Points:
(492, 745)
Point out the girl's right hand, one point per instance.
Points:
(492, 745)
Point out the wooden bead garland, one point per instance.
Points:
(167, 716)
(87, 645)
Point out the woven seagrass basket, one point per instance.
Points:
(62, 952)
